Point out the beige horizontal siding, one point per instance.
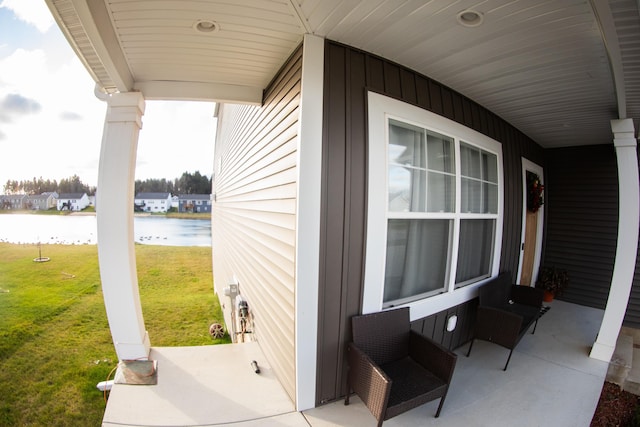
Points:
(254, 215)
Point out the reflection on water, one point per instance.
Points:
(81, 230)
(172, 231)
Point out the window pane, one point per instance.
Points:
(441, 192)
(406, 189)
(471, 198)
(406, 144)
(490, 167)
(417, 256)
(440, 152)
(475, 249)
(478, 197)
(490, 193)
(479, 170)
(470, 161)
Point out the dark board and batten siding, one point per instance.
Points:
(582, 219)
(254, 216)
(435, 326)
(349, 73)
(582, 224)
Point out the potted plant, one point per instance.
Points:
(552, 281)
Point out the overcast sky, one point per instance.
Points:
(51, 123)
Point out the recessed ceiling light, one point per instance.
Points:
(470, 18)
(205, 26)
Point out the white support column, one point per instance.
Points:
(114, 206)
(626, 252)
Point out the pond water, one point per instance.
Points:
(82, 230)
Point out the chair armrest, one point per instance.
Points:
(432, 356)
(369, 382)
(498, 326)
(527, 295)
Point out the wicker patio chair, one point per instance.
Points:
(506, 312)
(394, 369)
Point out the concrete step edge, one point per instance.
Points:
(632, 381)
(622, 360)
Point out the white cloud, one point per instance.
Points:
(22, 66)
(30, 74)
(40, 143)
(17, 104)
(34, 12)
(70, 115)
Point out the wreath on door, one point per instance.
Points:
(535, 192)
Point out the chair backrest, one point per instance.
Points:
(383, 336)
(496, 292)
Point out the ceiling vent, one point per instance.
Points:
(206, 26)
(470, 18)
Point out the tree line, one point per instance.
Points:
(38, 186)
(188, 183)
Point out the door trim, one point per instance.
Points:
(528, 165)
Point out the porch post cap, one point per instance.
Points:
(132, 99)
(623, 133)
(622, 126)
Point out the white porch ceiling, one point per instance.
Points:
(558, 70)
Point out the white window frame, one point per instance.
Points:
(380, 109)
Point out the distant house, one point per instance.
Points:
(175, 202)
(44, 201)
(72, 201)
(152, 202)
(194, 203)
(4, 202)
(13, 201)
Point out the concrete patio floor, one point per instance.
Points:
(551, 381)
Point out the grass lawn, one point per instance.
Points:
(55, 344)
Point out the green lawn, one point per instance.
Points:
(55, 344)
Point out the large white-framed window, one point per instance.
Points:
(435, 201)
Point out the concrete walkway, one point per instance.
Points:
(205, 386)
(551, 381)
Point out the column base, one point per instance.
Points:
(134, 351)
(602, 351)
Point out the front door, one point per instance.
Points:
(532, 223)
